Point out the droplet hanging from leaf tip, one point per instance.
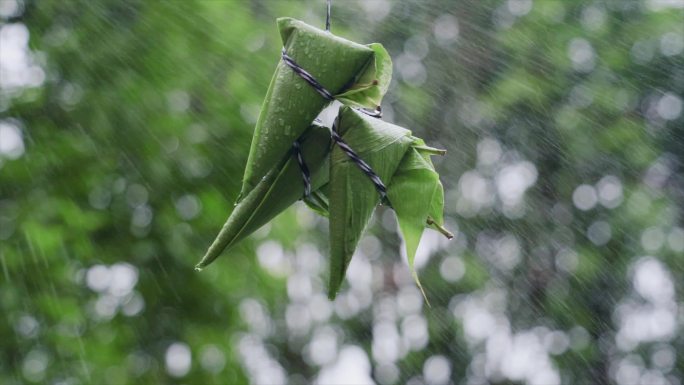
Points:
(198, 268)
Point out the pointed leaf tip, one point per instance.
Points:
(420, 287)
(430, 150)
(448, 234)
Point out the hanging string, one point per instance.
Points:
(327, 16)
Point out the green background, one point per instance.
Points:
(122, 149)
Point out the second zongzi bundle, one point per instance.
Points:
(402, 163)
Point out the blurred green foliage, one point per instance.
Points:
(135, 142)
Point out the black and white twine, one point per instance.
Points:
(306, 76)
(306, 176)
(360, 163)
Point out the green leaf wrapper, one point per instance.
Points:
(318, 201)
(352, 195)
(414, 191)
(373, 83)
(417, 197)
(291, 104)
(281, 187)
(358, 76)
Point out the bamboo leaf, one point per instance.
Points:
(369, 90)
(436, 213)
(291, 104)
(352, 195)
(318, 201)
(280, 188)
(417, 197)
